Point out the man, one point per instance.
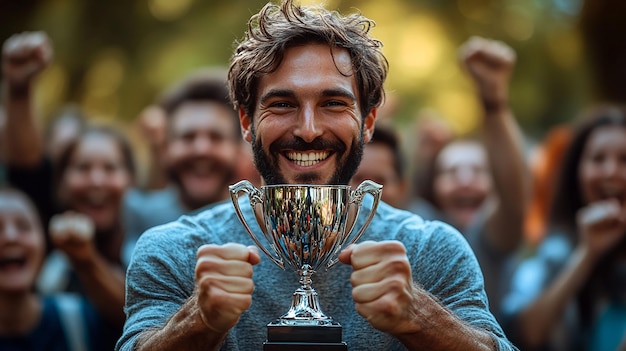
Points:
(382, 162)
(199, 153)
(306, 83)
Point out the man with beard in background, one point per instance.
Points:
(199, 154)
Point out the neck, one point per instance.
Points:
(19, 312)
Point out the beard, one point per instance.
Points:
(267, 164)
(190, 198)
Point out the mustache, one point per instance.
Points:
(298, 144)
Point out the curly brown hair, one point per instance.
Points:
(277, 28)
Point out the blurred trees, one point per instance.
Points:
(114, 56)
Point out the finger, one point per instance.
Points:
(469, 47)
(230, 284)
(368, 292)
(345, 254)
(253, 255)
(230, 251)
(391, 266)
(213, 264)
(370, 253)
(58, 228)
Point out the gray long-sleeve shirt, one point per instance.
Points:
(160, 277)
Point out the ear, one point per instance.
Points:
(246, 125)
(368, 125)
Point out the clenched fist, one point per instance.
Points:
(224, 283)
(24, 56)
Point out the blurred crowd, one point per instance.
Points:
(549, 231)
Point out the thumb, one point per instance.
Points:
(346, 255)
(253, 255)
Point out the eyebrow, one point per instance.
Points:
(290, 94)
(339, 92)
(277, 93)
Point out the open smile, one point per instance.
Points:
(308, 158)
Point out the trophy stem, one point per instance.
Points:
(305, 308)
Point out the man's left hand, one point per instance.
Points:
(383, 288)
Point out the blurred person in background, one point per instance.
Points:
(24, 56)
(383, 163)
(28, 319)
(195, 139)
(571, 294)
(91, 179)
(84, 187)
(482, 188)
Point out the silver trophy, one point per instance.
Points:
(305, 227)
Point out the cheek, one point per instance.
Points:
(484, 183)
(73, 182)
(228, 152)
(270, 130)
(120, 182)
(441, 188)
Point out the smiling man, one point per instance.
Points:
(307, 83)
(307, 127)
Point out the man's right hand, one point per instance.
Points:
(224, 283)
(24, 56)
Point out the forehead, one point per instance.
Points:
(311, 66)
(203, 113)
(98, 144)
(12, 204)
(606, 138)
(462, 153)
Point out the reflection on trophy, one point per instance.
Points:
(305, 227)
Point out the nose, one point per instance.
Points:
(465, 175)
(613, 167)
(97, 176)
(202, 145)
(9, 232)
(308, 128)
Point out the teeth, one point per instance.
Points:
(307, 159)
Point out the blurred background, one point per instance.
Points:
(113, 57)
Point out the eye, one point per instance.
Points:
(23, 224)
(335, 103)
(281, 104)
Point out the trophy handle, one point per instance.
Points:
(255, 196)
(356, 198)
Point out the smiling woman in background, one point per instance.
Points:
(571, 294)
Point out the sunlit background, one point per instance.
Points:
(113, 57)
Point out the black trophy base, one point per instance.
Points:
(304, 337)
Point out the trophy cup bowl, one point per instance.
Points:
(305, 227)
